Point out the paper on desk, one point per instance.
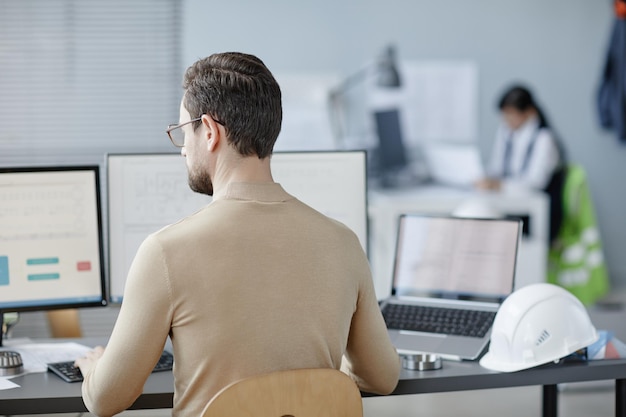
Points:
(36, 356)
(6, 384)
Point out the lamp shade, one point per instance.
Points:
(387, 71)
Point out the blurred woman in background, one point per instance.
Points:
(526, 152)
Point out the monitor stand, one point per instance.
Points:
(7, 320)
(395, 179)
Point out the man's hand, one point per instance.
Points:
(488, 184)
(89, 360)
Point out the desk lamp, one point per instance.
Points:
(387, 76)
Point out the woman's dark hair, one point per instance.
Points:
(520, 98)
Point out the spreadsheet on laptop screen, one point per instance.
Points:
(454, 257)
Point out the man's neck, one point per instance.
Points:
(240, 169)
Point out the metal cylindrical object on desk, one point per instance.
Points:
(421, 362)
(10, 363)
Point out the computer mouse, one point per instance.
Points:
(10, 363)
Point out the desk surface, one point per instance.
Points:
(46, 393)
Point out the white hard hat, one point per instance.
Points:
(537, 324)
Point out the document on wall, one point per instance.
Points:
(438, 101)
(306, 119)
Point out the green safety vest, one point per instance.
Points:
(575, 259)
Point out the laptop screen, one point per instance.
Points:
(455, 258)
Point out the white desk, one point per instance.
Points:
(386, 205)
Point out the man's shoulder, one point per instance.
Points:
(185, 222)
(315, 214)
(326, 225)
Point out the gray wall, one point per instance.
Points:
(556, 46)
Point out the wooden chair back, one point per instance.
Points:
(64, 323)
(292, 393)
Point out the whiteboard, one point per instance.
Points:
(149, 191)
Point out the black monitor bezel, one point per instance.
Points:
(103, 301)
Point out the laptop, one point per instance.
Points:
(454, 165)
(450, 277)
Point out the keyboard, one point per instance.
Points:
(69, 373)
(451, 321)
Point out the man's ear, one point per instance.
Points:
(213, 134)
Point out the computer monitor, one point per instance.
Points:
(390, 155)
(332, 182)
(149, 191)
(145, 193)
(51, 243)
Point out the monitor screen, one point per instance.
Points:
(391, 152)
(145, 193)
(51, 250)
(149, 191)
(455, 258)
(332, 182)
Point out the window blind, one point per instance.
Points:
(79, 78)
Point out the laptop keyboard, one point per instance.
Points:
(69, 373)
(452, 321)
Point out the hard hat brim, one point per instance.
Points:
(488, 361)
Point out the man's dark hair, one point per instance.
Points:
(238, 91)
